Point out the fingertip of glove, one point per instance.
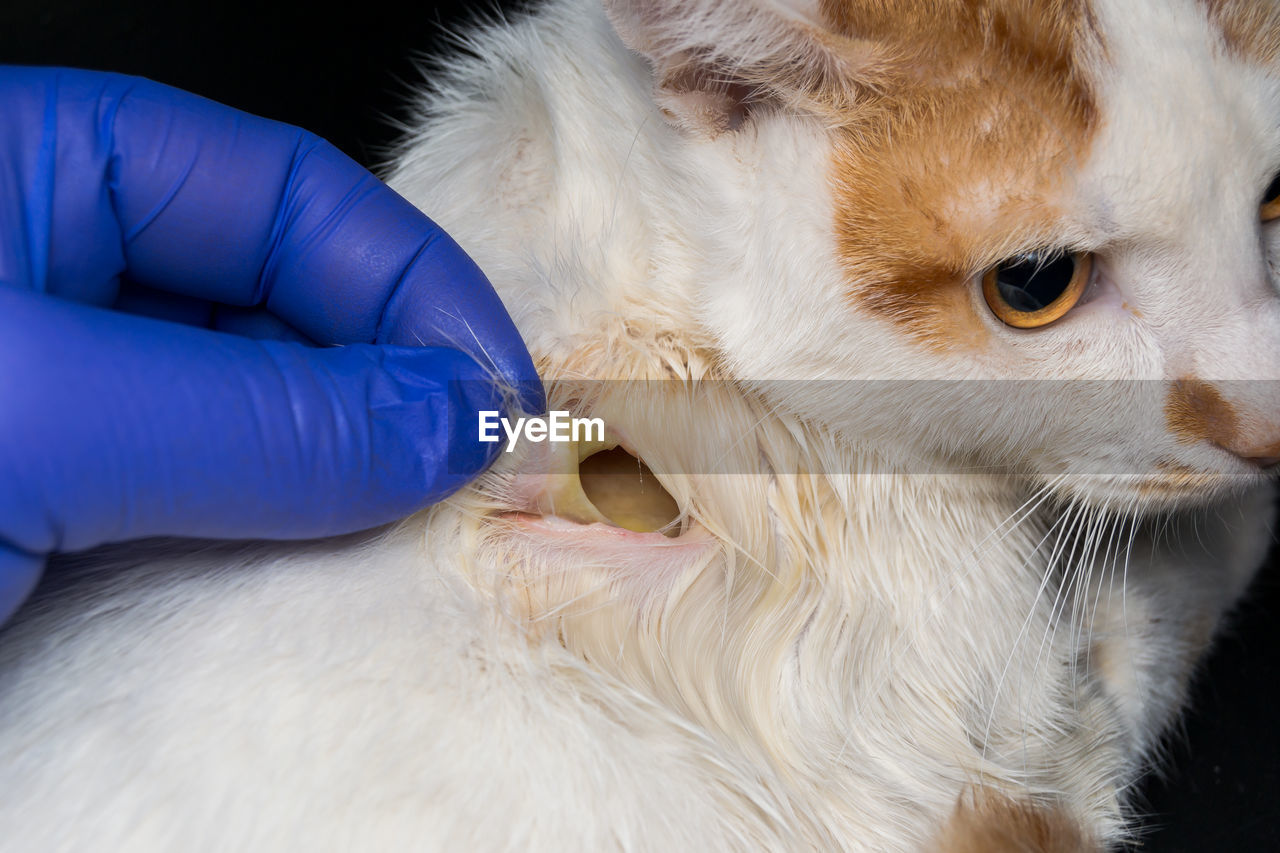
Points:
(452, 451)
(20, 571)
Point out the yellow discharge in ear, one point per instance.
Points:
(626, 492)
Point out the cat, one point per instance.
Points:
(945, 332)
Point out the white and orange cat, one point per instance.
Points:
(947, 327)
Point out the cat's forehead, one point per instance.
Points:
(1192, 130)
(1001, 108)
(953, 167)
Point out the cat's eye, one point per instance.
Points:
(1271, 201)
(1033, 290)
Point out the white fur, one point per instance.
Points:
(840, 646)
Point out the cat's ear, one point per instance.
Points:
(715, 59)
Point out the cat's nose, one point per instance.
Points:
(1263, 456)
(1246, 424)
(1250, 437)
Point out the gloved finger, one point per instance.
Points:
(134, 298)
(257, 323)
(197, 198)
(186, 431)
(19, 574)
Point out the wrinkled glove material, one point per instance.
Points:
(114, 426)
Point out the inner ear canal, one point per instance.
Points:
(623, 489)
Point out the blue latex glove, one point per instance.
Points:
(114, 426)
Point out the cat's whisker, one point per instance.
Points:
(1099, 536)
(1063, 526)
(968, 564)
(1144, 697)
(1070, 582)
(1107, 572)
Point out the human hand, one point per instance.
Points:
(117, 192)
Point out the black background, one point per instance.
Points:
(346, 74)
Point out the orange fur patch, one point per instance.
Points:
(954, 166)
(987, 822)
(1249, 28)
(1196, 411)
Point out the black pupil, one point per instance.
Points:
(1034, 282)
(1273, 190)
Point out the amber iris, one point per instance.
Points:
(1033, 290)
(1271, 201)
